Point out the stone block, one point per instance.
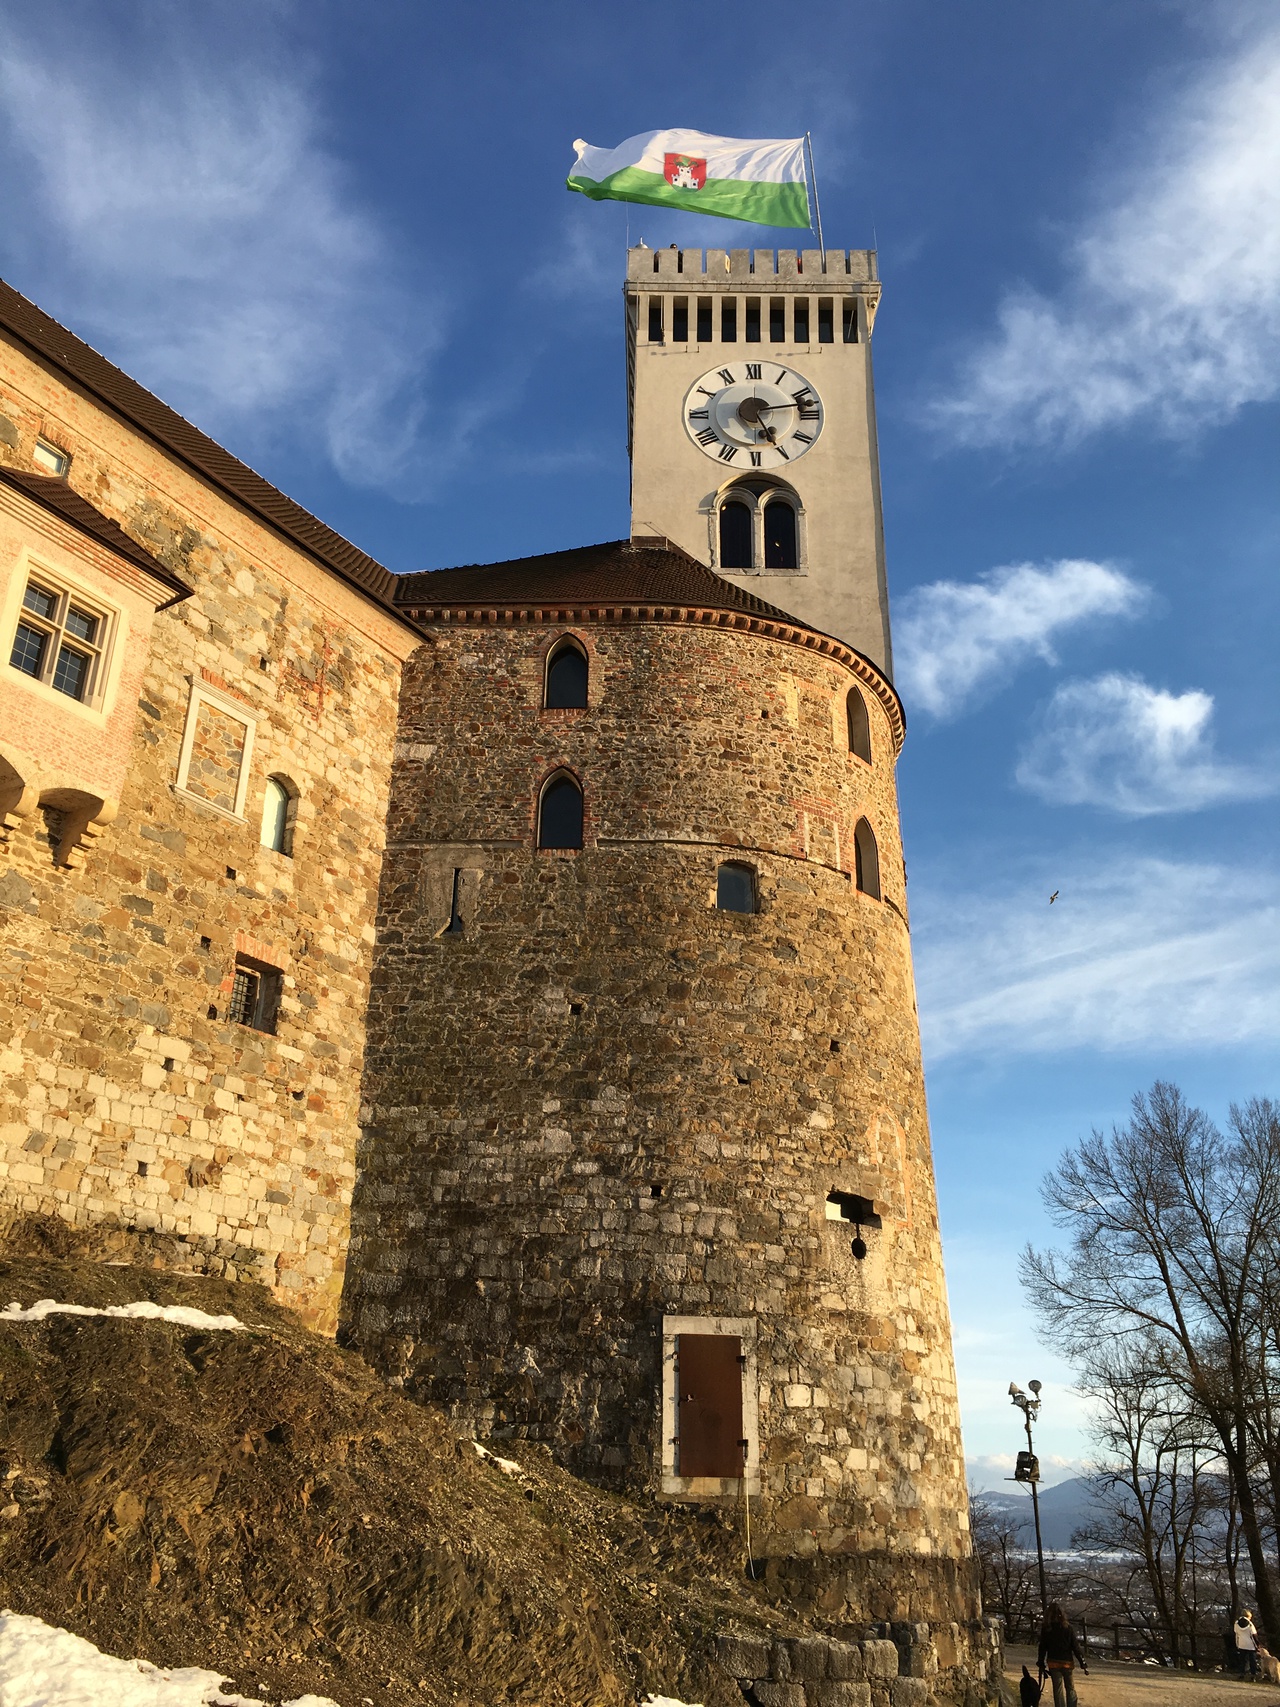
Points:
(743, 1656)
(781, 1695)
(841, 1694)
(808, 1658)
(844, 1661)
(880, 1659)
(908, 1692)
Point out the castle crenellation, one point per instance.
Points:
(510, 965)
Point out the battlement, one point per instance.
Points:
(846, 270)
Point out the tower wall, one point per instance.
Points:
(840, 585)
(603, 1106)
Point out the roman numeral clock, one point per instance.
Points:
(752, 426)
(753, 414)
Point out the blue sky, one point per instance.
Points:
(337, 237)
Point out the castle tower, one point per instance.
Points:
(751, 424)
(646, 1171)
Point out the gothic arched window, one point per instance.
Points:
(780, 535)
(859, 725)
(560, 813)
(736, 528)
(736, 888)
(566, 684)
(866, 860)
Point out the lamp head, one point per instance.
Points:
(1035, 1387)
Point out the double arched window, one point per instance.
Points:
(859, 725)
(757, 528)
(279, 812)
(866, 859)
(560, 812)
(565, 687)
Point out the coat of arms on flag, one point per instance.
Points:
(684, 171)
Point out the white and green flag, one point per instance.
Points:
(760, 181)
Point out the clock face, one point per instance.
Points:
(753, 414)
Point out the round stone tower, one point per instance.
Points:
(646, 1173)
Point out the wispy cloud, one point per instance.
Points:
(957, 639)
(179, 209)
(1119, 743)
(1134, 954)
(1169, 307)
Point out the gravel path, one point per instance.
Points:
(1111, 1685)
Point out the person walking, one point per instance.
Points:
(1059, 1652)
(1246, 1635)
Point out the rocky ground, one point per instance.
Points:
(259, 1502)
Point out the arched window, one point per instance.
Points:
(736, 888)
(866, 860)
(735, 535)
(279, 810)
(560, 813)
(779, 535)
(566, 686)
(859, 725)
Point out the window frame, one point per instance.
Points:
(856, 695)
(757, 493)
(860, 872)
(560, 773)
(68, 591)
(671, 1483)
(202, 693)
(568, 642)
(289, 826)
(753, 877)
(265, 1016)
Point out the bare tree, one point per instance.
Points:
(1172, 1228)
(1010, 1583)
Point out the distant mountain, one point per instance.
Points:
(1063, 1509)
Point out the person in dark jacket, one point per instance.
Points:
(1059, 1652)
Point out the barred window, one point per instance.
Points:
(255, 994)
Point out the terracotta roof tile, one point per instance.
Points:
(617, 573)
(125, 397)
(56, 495)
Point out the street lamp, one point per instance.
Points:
(1027, 1470)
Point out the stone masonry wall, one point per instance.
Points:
(126, 1097)
(603, 1100)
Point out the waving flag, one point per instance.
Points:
(760, 181)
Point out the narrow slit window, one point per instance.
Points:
(778, 320)
(567, 677)
(779, 535)
(705, 333)
(826, 321)
(735, 535)
(729, 320)
(560, 813)
(655, 319)
(279, 810)
(680, 320)
(849, 320)
(751, 321)
(802, 320)
(859, 725)
(736, 888)
(866, 860)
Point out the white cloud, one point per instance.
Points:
(1119, 743)
(179, 210)
(1133, 955)
(1170, 305)
(953, 639)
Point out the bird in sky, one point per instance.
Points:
(1054, 896)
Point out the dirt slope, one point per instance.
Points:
(262, 1503)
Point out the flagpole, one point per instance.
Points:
(817, 206)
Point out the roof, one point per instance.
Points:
(54, 494)
(141, 409)
(619, 572)
(645, 580)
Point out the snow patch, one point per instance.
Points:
(652, 1701)
(42, 1666)
(142, 1311)
(508, 1466)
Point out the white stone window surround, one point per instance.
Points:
(708, 1487)
(109, 647)
(742, 492)
(203, 692)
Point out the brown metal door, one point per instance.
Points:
(709, 1426)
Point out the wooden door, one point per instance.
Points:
(709, 1418)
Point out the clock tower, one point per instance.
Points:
(751, 426)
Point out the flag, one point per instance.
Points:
(761, 181)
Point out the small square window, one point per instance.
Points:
(255, 994)
(50, 458)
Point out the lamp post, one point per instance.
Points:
(1028, 1470)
